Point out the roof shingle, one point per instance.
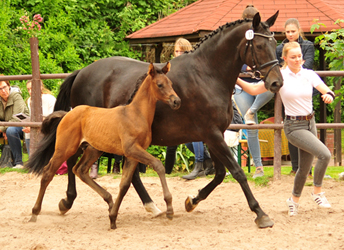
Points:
(207, 15)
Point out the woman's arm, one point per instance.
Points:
(327, 94)
(252, 89)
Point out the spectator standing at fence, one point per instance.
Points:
(299, 123)
(244, 102)
(12, 103)
(48, 102)
(203, 165)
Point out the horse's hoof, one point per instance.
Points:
(169, 216)
(33, 218)
(152, 208)
(264, 221)
(189, 206)
(63, 209)
(112, 223)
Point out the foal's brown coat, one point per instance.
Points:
(123, 130)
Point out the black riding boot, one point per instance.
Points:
(197, 169)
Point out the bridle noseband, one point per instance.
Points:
(250, 34)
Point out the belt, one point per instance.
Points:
(300, 118)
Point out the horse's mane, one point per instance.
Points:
(214, 32)
(139, 83)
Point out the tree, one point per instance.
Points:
(332, 44)
(74, 34)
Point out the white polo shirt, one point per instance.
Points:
(297, 90)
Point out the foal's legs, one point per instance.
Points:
(221, 155)
(140, 155)
(81, 169)
(48, 174)
(127, 172)
(143, 156)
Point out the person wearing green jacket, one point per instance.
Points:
(12, 103)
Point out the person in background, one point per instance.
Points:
(294, 33)
(12, 103)
(48, 102)
(203, 163)
(299, 122)
(244, 102)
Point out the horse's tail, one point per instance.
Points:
(46, 147)
(63, 98)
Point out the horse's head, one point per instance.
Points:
(162, 86)
(260, 52)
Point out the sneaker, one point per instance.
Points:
(321, 200)
(292, 207)
(249, 118)
(259, 173)
(18, 166)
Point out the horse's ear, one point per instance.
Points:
(271, 20)
(166, 68)
(256, 21)
(151, 70)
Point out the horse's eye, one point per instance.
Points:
(259, 47)
(160, 85)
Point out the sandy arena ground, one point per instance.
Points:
(222, 221)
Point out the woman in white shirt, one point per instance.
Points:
(48, 103)
(299, 123)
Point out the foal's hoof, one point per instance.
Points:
(33, 218)
(62, 207)
(264, 221)
(169, 215)
(189, 206)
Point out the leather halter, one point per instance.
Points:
(256, 70)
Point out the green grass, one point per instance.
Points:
(260, 181)
(264, 181)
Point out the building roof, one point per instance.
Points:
(207, 15)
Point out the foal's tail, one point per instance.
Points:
(46, 147)
(63, 98)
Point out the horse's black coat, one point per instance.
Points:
(204, 79)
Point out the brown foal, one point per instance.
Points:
(123, 130)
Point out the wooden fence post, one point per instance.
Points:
(278, 138)
(338, 132)
(36, 95)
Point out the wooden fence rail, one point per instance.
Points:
(277, 126)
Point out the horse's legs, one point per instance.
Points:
(66, 204)
(81, 169)
(220, 154)
(48, 174)
(144, 196)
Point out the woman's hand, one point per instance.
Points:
(327, 98)
(26, 130)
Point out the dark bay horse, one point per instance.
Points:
(123, 130)
(204, 79)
